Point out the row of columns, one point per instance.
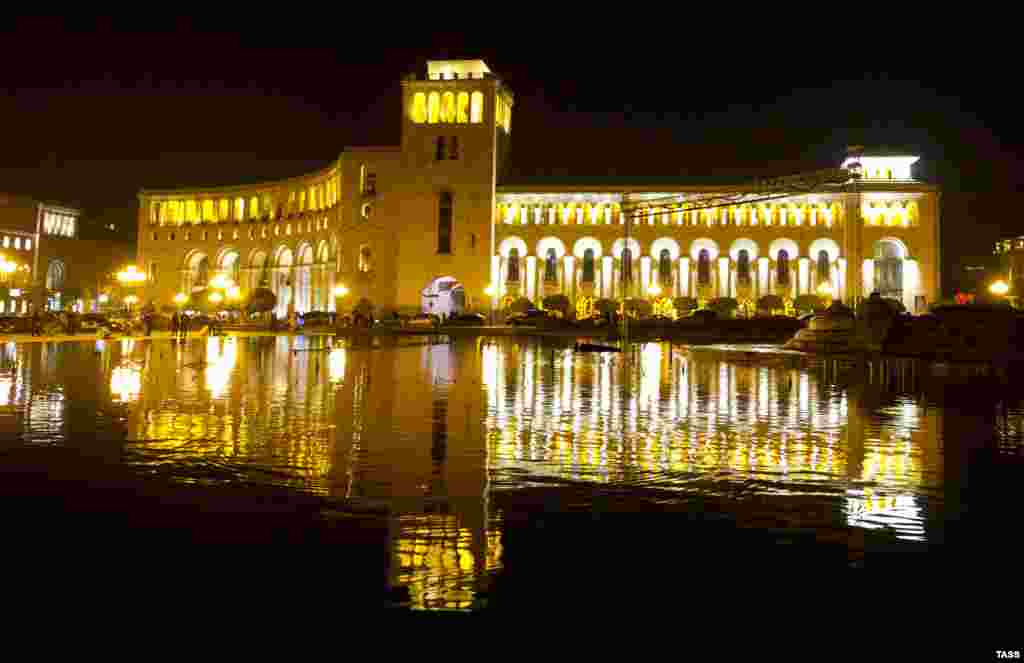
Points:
(311, 289)
(722, 282)
(607, 214)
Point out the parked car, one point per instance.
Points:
(531, 317)
(90, 322)
(467, 319)
(422, 320)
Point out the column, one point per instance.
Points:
(645, 275)
(839, 286)
(764, 285)
(495, 277)
(911, 283)
(803, 276)
(867, 279)
(597, 279)
(607, 274)
(853, 227)
(723, 276)
(570, 278)
(531, 278)
(684, 277)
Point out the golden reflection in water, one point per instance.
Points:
(221, 354)
(336, 365)
(126, 383)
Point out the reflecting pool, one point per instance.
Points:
(433, 427)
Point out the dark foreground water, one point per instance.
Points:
(435, 430)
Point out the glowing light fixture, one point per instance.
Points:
(216, 297)
(179, 298)
(104, 298)
(340, 291)
(221, 282)
(15, 292)
(234, 292)
(489, 291)
(131, 299)
(825, 290)
(999, 288)
(7, 266)
(131, 274)
(654, 290)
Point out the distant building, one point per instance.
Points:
(1011, 263)
(45, 265)
(433, 224)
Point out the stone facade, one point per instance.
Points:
(430, 225)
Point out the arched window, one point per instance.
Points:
(365, 258)
(665, 268)
(462, 110)
(224, 213)
(551, 266)
(444, 225)
(476, 108)
(433, 108)
(627, 265)
(513, 265)
(55, 275)
(588, 266)
(448, 107)
(743, 266)
(824, 273)
(254, 207)
(208, 214)
(782, 268)
(703, 267)
(439, 153)
(419, 108)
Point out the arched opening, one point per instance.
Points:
(782, 268)
(665, 268)
(448, 107)
(476, 108)
(824, 270)
(197, 274)
(704, 267)
(258, 269)
(463, 108)
(627, 265)
(551, 265)
(889, 255)
(743, 267)
(419, 108)
(282, 285)
(444, 295)
(433, 108)
(513, 265)
(230, 266)
(304, 280)
(588, 265)
(54, 284)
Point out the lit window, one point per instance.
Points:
(288, 229)
(367, 210)
(225, 209)
(254, 207)
(220, 235)
(433, 108)
(17, 242)
(206, 235)
(448, 107)
(188, 235)
(7, 242)
(263, 233)
(28, 245)
(476, 108)
(462, 108)
(419, 108)
(252, 233)
(234, 235)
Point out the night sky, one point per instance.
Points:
(93, 111)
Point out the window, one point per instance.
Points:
(172, 237)
(513, 265)
(665, 268)
(782, 268)
(419, 108)
(154, 237)
(448, 107)
(462, 108)
(703, 267)
(55, 275)
(366, 210)
(188, 235)
(439, 152)
(254, 207)
(824, 273)
(206, 235)
(433, 108)
(627, 265)
(152, 272)
(225, 209)
(476, 108)
(588, 266)
(472, 240)
(220, 235)
(444, 225)
(252, 233)
(17, 242)
(263, 232)
(453, 152)
(7, 242)
(208, 211)
(28, 245)
(743, 267)
(365, 258)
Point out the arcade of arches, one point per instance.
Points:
(742, 269)
(302, 278)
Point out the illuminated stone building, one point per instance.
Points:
(1011, 264)
(45, 263)
(430, 223)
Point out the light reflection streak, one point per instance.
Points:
(126, 383)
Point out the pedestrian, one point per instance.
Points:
(147, 321)
(184, 325)
(35, 323)
(174, 324)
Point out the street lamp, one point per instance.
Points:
(216, 297)
(180, 298)
(131, 275)
(129, 300)
(999, 288)
(654, 290)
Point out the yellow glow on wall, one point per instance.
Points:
(433, 108)
(419, 108)
(208, 213)
(225, 209)
(462, 108)
(191, 215)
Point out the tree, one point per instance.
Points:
(521, 305)
(724, 307)
(684, 305)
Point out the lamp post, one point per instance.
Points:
(339, 292)
(129, 300)
(999, 288)
(130, 277)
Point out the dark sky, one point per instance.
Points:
(94, 110)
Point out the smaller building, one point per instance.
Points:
(46, 265)
(1011, 263)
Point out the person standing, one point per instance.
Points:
(184, 325)
(147, 323)
(35, 323)
(174, 324)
